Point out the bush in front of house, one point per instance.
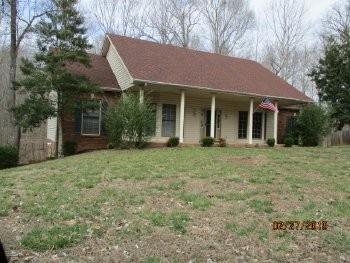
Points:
(288, 142)
(173, 142)
(271, 142)
(130, 124)
(313, 123)
(110, 146)
(8, 156)
(69, 148)
(207, 141)
(222, 142)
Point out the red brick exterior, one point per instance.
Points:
(86, 142)
(282, 122)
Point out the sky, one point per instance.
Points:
(316, 8)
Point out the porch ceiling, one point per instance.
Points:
(207, 94)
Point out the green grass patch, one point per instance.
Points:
(152, 260)
(156, 218)
(122, 198)
(177, 185)
(197, 201)
(339, 241)
(41, 239)
(176, 221)
(261, 206)
(179, 222)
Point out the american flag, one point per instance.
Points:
(267, 104)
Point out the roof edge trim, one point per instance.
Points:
(221, 91)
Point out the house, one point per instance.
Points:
(196, 94)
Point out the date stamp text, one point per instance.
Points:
(300, 225)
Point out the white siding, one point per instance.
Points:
(122, 74)
(194, 110)
(52, 122)
(52, 129)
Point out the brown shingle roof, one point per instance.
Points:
(99, 73)
(150, 61)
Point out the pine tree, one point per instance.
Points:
(332, 77)
(51, 88)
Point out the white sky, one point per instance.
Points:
(315, 8)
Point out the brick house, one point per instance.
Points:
(196, 94)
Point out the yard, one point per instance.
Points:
(180, 205)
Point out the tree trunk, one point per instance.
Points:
(13, 68)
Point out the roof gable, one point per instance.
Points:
(168, 64)
(99, 73)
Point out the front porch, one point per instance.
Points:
(192, 114)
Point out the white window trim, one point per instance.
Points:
(99, 122)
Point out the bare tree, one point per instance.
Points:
(156, 22)
(185, 17)
(21, 16)
(286, 22)
(115, 16)
(228, 21)
(337, 19)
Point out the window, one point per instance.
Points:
(291, 125)
(242, 125)
(257, 125)
(168, 120)
(92, 121)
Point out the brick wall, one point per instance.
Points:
(86, 142)
(282, 122)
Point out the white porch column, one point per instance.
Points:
(142, 92)
(182, 116)
(275, 122)
(212, 117)
(250, 121)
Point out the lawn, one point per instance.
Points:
(180, 205)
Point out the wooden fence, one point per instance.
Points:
(33, 152)
(337, 138)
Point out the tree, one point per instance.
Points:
(18, 18)
(285, 20)
(50, 87)
(186, 17)
(228, 21)
(156, 23)
(312, 124)
(336, 20)
(115, 16)
(332, 77)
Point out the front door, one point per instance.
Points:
(207, 121)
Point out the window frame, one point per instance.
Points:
(99, 122)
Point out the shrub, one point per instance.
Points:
(8, 156)
(173, 141)
(207, 141)
(271, 142)
(222, 142)
(69, 148)
(110, 146)
(313, 123)
(131, 123)
(288, 142)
